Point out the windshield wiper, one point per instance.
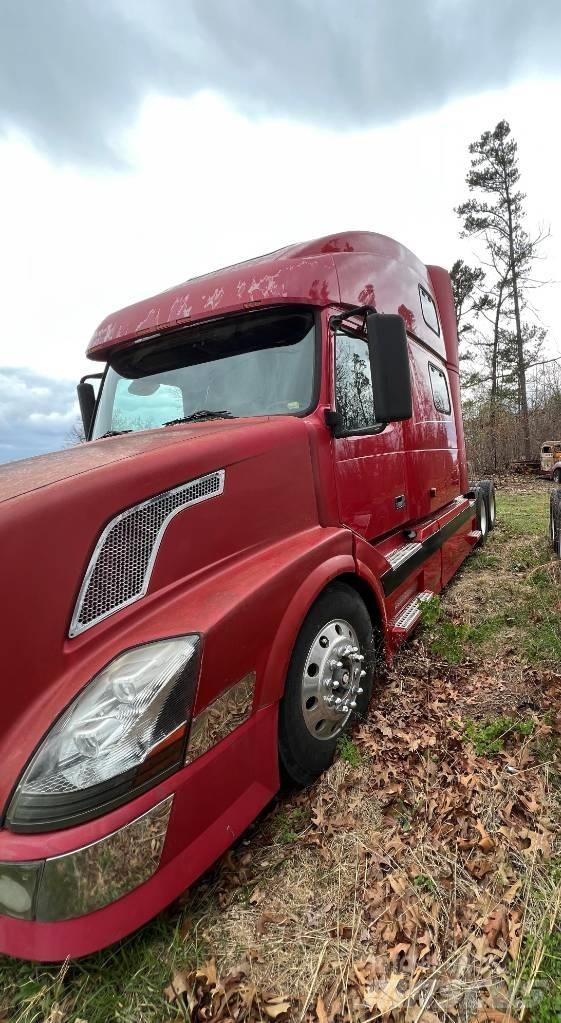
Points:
(200, 415)
(112, 433)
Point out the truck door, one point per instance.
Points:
(369, 457)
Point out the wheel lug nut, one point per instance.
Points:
(345, 708)
(359, 691)
(337, 701)
(335, 684)
(363, 673)
(353, 704)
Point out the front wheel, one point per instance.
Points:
(329, 682)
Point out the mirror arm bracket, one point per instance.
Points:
(351, 329)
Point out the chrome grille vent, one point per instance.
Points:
(121, 564)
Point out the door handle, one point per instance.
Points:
(400, 501)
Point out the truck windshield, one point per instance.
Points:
(258, 364)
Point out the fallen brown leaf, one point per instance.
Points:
(276, 1006)
(497, 926)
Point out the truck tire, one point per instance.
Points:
(555, 521)
(481, 515)
(333, 658)
(488, 489)
(556, 476)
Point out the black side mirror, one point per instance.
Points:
(389, 365)
(86, 401)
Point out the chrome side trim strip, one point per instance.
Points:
(216, 721)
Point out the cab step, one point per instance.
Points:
(473, 537)
(401, 554)
(404, 622)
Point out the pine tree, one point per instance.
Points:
(496, 214)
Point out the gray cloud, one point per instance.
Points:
(37, 413)
(73, 72)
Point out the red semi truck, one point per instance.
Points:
(194, 601)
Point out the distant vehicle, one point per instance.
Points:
(550, 459)
(548, 464)
(195, 600)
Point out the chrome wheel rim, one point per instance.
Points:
(332, 678)
(492, 509)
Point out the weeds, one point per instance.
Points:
(426, 884)
(488, 737)
(348, 751)
(290, 823)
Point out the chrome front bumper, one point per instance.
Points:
(79, 882)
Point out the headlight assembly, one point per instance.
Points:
(123, 733)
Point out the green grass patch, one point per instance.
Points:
(488, 737)
(290, 823)
(525, 593)
(543, 1003)
(348, 751)
(446, 640)
(450, 640)
(481, 559)
(123, 984)
(523, 514)
(426, 884)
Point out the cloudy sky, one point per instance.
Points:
(146, 141)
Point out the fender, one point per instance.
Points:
(370, 565)
(281, 651)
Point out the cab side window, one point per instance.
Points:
(353, 383)
(440, 393)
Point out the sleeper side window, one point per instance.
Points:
(353, 383)
(440, 393)
(428, 309)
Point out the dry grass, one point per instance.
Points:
(379, 876)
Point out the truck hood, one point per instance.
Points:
(53, 510)
(17, 478)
